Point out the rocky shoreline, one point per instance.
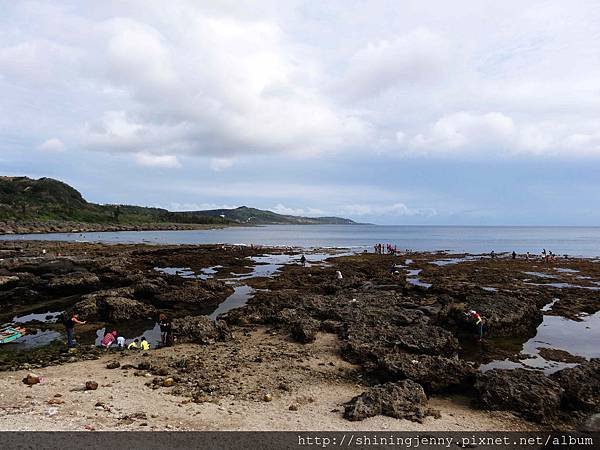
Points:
(404, 341)
(39, 227)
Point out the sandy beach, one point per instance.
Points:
(124, 402)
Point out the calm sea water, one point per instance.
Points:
(580, 241)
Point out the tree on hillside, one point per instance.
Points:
(117, 213)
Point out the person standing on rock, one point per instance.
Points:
(165, 330)
(303, 261)
(70, 326)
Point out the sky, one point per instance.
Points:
(391, 112)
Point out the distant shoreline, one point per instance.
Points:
(20, 228)
(26, 228)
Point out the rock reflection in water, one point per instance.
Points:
(579, 338)
(239, 298)
(412, 277)
(46, 317)
(38, 339)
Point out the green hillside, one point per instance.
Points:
(243, 214)
(23, 198)
(49, 200)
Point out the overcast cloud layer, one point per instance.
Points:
(463, 112)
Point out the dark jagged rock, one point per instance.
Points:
(119, 309)
(305, 330)
(402, 400)
(552, 354)
(528, 393)
(504, 315)
(144, 365)
(591, 424)
(200, 329)
(112, 306)
(7, 281)
(39, 266)
(434, 373)
(20, 296)
(371, 342)
(192, 293)
(581, 385)
(332, 326)
(76, 282)
(148, 289)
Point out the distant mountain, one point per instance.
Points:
(243, 214)
(46, 199)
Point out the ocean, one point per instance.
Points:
(573, 241)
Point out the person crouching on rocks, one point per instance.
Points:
(133, 344)
(109, 339)
(144, 345)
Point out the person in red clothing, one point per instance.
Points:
(478, 320)
(109, 339)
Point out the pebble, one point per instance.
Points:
(31, 379)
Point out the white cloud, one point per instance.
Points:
(310, 212)
(162, 161)
(52, 145)
(464, 130)
(394, 210)
(497, 133)
(219, 164)
(174, 206)
(419, 56)
(223, 80)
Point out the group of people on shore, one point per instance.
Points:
(546, 256)
(382, 249)
(113, 339)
